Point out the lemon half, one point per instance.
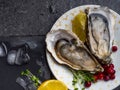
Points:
(52, 85)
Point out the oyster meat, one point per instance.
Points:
(101, 33)
(66, 48)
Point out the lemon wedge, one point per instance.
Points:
(79, 25)
(52, 85)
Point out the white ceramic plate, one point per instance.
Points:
(62, 73)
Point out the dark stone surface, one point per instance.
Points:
(26, 18)
(36, 17)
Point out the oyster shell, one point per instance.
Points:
(101, 33)
(67, 49)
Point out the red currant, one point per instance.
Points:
(114, 48)
(111, 66)
(112, 76)
(106, 78)
(113, 72)
(100, 76)
(110, 71)
(87, 84)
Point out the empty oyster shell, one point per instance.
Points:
(101, 33)
(67, 49)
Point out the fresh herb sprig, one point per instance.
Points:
(33, 78)
(81, 77)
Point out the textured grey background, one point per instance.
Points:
(36, 17)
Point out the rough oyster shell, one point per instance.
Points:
(67, 49)
(101, 33)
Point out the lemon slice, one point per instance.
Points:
(79, 25)
(52, 85)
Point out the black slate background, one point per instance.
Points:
(29, 21)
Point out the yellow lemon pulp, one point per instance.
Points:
(52, 85)
(79, 25)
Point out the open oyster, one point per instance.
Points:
(67, 49)
(101, 33)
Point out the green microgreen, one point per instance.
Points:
(33, 78)
(80, 77)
